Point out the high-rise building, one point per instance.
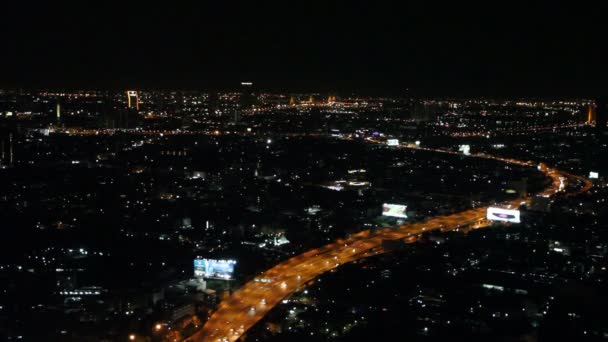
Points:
(10, 151)
(425, 111)
(246, 100)
(127, 117)
(8, 133)
(58, 112)
(132, 99)
(591, 116)
(601, 114)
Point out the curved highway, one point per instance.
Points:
(243, 309)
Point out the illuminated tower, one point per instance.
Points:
(292, 101)
(58, 112)
(311, 100)
(132, 99)
(601, 115)
(591, 115)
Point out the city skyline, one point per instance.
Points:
(297, 171)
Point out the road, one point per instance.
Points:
(243, 309)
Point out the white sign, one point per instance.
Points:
(392, 142)
(594, 175)
(394, 210)
(500, 214)
(466, 149)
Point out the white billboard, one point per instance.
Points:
(392, 142)
(394, 210)
(501, 214)
(465, 149)
(594, 175)
(211, 268)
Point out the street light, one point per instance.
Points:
(132, 337)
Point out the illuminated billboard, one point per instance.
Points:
(211, 268)
(392, 142)
(500, 214)
(394, 210)
(594, 175)
(465, 149)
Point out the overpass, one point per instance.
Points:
(248, 305)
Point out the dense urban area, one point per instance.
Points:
(144, 215)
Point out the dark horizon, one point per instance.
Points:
(455, 50)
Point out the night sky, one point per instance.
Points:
(500, 49)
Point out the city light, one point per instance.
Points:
(394, 210)
(210, 268)
(221, 212)
(500, 214)
(465, 149)
(392, 142)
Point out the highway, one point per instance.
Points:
(246, 306)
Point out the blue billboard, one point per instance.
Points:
(211, 268)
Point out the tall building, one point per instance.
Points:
(591, 116)
(132, 99)
(246, 100)
(601, 114)
(58, 112)
(8, 133)
(127, 117)
(10, 149)
(424, 110)
(7, 157)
